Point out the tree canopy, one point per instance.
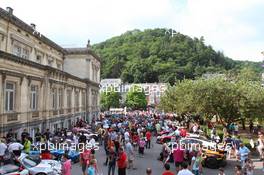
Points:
(110, 98)
(154, 55)
(229, 100)
(136, 98)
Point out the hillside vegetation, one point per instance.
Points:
(155, 55)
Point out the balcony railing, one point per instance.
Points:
(61, 111)
(35, 114)
(12, 117)
(76, 109)
(55, 112)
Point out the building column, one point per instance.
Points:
(1, 105)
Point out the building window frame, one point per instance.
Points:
(38, 59)
(50, 62)
(10, 96)
(69, 98)
(25, 53)
(60, 98)
(34, 97)
(59, 66)
(54, 98)
(77, 103)
(17, 50)
(83, 98)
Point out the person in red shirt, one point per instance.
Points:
(148, 136)
(85, 158)
(45, 154)
(183, 132)
(178, 156)
(135, 139)
(122, 162)
(167, 170)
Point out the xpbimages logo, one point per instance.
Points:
(147, 88)
(192, 146)
(170, 32)
(79, 147)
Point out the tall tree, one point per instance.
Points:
(229, 100)
(110, 98)
(136, 98)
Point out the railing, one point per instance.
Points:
(61, 111)
(35, 114)
(55, 112)
(12, 117)
(76, 109)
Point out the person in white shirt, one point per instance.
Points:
(195, 128)
(126, 135)
(139, 130)
(92, 142)
(119, 125)
(3, 148)
(15, 148)
(260, 146)
(130, 154)
(185, 170)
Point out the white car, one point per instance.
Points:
(43, 167)
(10, 169)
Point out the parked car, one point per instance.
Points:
(165, 138)
(41, 167)
(213, 157)
(72, 154)
(163, 132)
(11, 169)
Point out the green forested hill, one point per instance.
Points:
(155, 55)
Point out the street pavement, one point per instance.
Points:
(150, 160)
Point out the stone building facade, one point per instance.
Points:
(43, 85)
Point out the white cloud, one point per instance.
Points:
(71, 23)
(220, 23)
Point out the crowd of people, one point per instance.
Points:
(125, 139)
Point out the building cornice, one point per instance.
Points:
(88, 81)
(14, 58)
(82, 51)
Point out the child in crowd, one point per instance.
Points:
(141, 146)
(91, 169)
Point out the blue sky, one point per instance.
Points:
(235, 27)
